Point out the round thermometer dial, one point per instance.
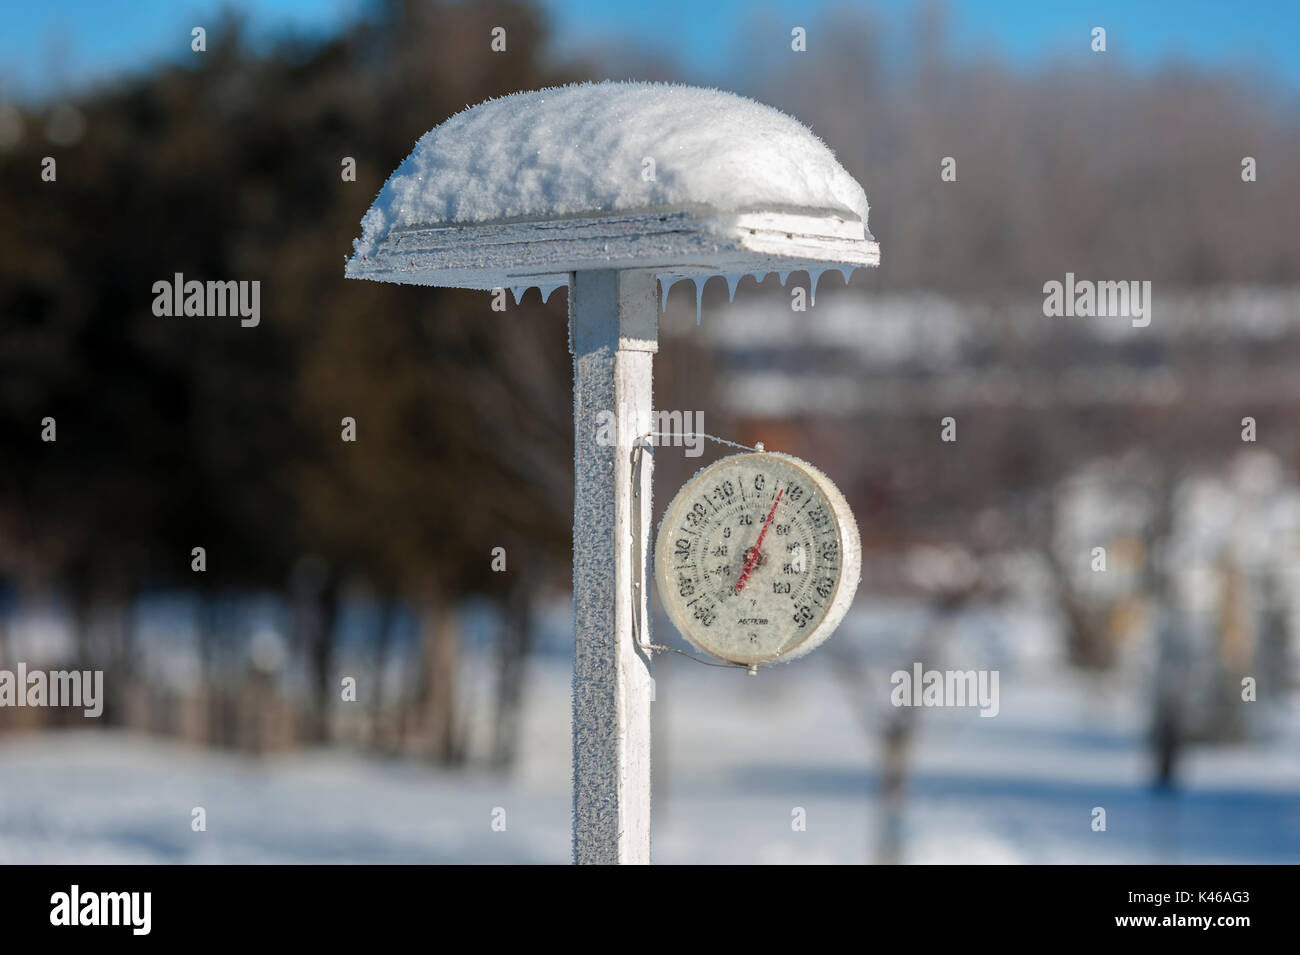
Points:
(758, 558)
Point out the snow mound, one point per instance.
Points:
(585, 149)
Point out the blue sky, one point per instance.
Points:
(52, 44)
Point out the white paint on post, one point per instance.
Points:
(613, 334)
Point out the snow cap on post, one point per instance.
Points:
(688, 182)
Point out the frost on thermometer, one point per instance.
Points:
(758, 558)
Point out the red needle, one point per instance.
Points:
(752, 559)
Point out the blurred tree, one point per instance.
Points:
(182, 432)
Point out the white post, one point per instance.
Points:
(613, 334)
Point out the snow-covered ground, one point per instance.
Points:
(735, 757)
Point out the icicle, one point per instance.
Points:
(783, 276)
(846, 271)
(665, 288)
(676, 279)
(813, 276)
(699, 297)
(546, 290)
(518, 292)
(732, 282)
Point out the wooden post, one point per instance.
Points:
(613, 334)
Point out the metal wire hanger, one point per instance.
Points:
(639, 452)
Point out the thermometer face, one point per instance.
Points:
(758, 558)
